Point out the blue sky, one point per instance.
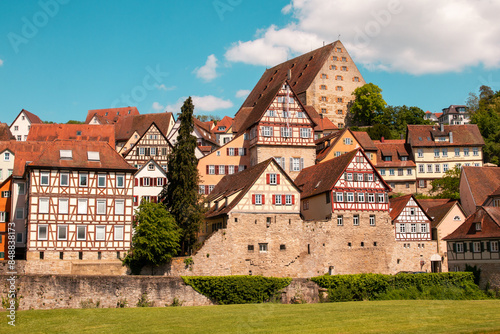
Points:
(60, 58)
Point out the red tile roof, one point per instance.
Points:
(323, 124)
(50, 132)
(34, 119)
(396, 149)
(438, 212)
(127, 125)
(225, 122)
(428, 203)
(397, 205)
(489, 217)
(328, 142)
(109, 159)
(204, 131)
(425, 135)
(476, 176)
(364, 140)
(23, 151)
(5, 133)
(111, 115)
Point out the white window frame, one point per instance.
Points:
(19, 213)
(295, 165)
(43, 205)
(286, 132)
(402, 228)
(421, 168)
(99, 178)
(3, 216)
(40, 234)
(436, 153)
(263, 248)
(63, 208)
(230, 151)
(258, 199)
(494, 246)
(159, 182)
(361, 197)
(420, 153)
(475, 151)
(211, 169)
(413, 228)
(222, 169)
(82, 177)
(118, 233)
(339, 197)
(100, 207)
(6, 156)
(119, 207)
(118, 178)
(230, 169)
(457, 151)
(460, 247)
(444, 152)
(44, 175)
(100, 233)
(371, 198)
(466, 151)
(142, 151)
(60, 229)
(423, 228)
(21, 188)
(273, 179)
(83, 204)
(355, 220)
(381, 198)
(267, 131)
(350, 197)
(340, 220)
(66, 184)
(437, 168)
(288, 199)
(372, 220)
(476, 246)
(277, 200)
(429, 168)
(80, 228)
(305, 132)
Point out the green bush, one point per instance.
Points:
(457, 286)
(237, 289)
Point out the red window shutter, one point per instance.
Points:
(267, 178)
(283, 199)
(142, 181)
(206, 190)
(244, 151)
(207, 169)
(293, 199)
(155, 199)
(136, 182)
(253, 199)
(164, 181)
(135, 199)
(263, 199)
(277, 178)
(227, 169)
(274, 199)
(153, 182)
(227, 151)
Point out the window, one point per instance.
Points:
(84, 179)
(16, 127)
(222, 169)
(478, 226)
(361, 197)
(420, 153)
(230, 151)
(340, 112)
(324, 99)
(445, 168)
(444, 152)
(300, 114)
(63, 205)
(263, 248)
(343, 68)
(305, 132)
(380, 198)
(118, 232)
(277, 199)
(6, 194)
(409, 171)
(270, 113)
(371, 198)
(258, 199)
(339, 88)
(230, 169)
(19, 237)
(459, 247)
(348, 141)
(466, 151)
(340, 197)
(82, 206)
(338, 77)
(421, 168)
(6, 156)
(333, 67)
(475, 151)
(421, 183)
(288, 199)
(382, 172)
(344, 59)
(44, 178)
(429, 168)
(457, 151)
(322, 87)
(101, 207)
(120, 181)
(476, 246)
(42, 232)
(3, 218)
(350, 197)
(391, 172)
(339, 49)
(423, 228)
(211, 169)
(101, 180)
(402, 228)
(335, 58)
(267, 131)
(436, 153)
(100, 233)
(413, 227)
(64, 179)
(355, 79)
(20, 213)
(340, 220)
(437, 168)
(355, 220)
(62, 232)
(339, 99)
(43, 205)
(372, 220)
(494, 246)
(119, 207)
(296, 164)
(250, 248)
(272, 178)
(286, 132)
(153, 150)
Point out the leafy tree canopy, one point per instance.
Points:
(74, 122)
(368, 103)
(156, 237)
(449, 185)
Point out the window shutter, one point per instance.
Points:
(425, 183)
(253, 199)
(471, 247)
(227, 169)
(274, 199)
(157, 151)
(482, 246)
(365, 177)
(283, 161)
(267, 178)
(135, 200)
(293, 199)
(454, 247)
(164, 181)
(137, 151)
(488, 246)
(142, 181)
(283, 199)
(291, 164)
(236, 151)
(334, 197)
(154, 182)
(277, 178)
(148, 151)
(465, 247)
(136, 182)
(345, 176)
(207, 169)
(263, 199)
(301, 163)
(227, 151)
(155, 199)
(216, 167)
(206, 190)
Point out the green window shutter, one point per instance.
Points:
(482, 246)
(465, 247)
(488, 246)
(454, 247)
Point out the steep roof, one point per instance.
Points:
(111, 115)
(50, 132)
(489, 217)
(224, 122)
(23, 151)
(397, 205)
(438, 212)
(476, 176)
(425, 135)
(127, 125)
(322, 177)
(5, 133)
(34, 119)
(331, 140)
(322, 123)
(151, 161)
(396, 149)
(240, 182)
(364, 140)
(204, 131)
(109, 159)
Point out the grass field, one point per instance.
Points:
(479, 316)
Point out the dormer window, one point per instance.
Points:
(65, 154)
(78, 133)
(387, 158)
(404, 158)
(93, 156)
(106, 114)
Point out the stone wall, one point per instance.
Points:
(490, 272)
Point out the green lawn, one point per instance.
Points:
(478, 316)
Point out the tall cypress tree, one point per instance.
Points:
(181, 193)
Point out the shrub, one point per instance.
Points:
(121, 303)
(144, 301)
(89, 303)
(176, 302)
(237, 289)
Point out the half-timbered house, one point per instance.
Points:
(149, 181)
(348, 186)
(5, 207)
(80, 202)
(205, 139)
(410, 220)
(21, 126)
(50, 132)
(151, 145)
(279, 127)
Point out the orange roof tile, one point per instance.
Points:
(127, 125)
(476, 176)
(489, 217)
(111, 114)
(50, 132)
(425, 135)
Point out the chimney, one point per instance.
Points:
(382, 139)
(442, 127)
(289, 75)
(451, 137)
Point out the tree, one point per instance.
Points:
(155, 240)
(396, 118)
(181, 193)
(368, 103)
(449, 185)
(74, 122)
(378, 131)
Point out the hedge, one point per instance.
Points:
(374, 286)
(237, 289)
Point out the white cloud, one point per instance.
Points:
(1, 62)
(242, 93)
(201, 103)
(157, 106)
(164, 88)
(416, 37)
(287, 9)
(208, 72)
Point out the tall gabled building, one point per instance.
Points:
(22, 124)
(324, 79)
